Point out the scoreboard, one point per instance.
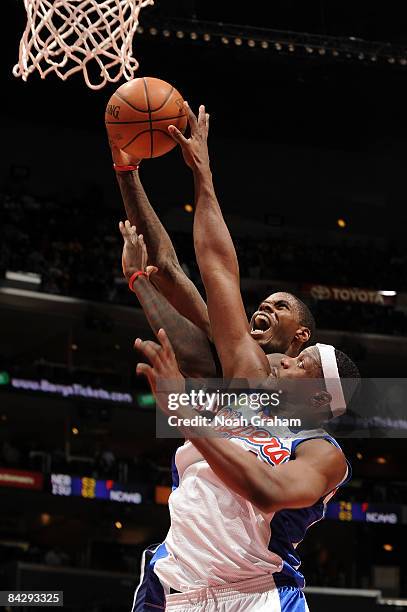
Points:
(364, 512)
(111, 490)
(91, 488)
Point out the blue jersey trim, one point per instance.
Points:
(292, 600)
(149, 594)
(289, 527)
(174, 473)
(160, 553)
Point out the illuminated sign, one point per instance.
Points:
(72, 390)
(90, 488)
(20, 479)
(382, 517)
(145, 400)
(4, 378)
(349, 294)
(76, 390)
(365, 512)
(162, 494)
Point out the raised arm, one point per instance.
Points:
(239, 354)
(170, 278)
(191, 345)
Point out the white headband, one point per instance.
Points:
(332, 379)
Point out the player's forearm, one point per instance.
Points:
(233, 465)
(294, 484)
(170, 280)
(214, 247)
(265, 487)
(141, 214)
(191, 344)
(270, 489)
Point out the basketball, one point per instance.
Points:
(139, 113)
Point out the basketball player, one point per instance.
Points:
(149, 595)
(189, 334)
(243, 504)
(152, 585)
(282, 323)
(161, 571)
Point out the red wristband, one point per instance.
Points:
(119, 168)
(134, 276)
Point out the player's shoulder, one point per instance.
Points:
(319, 446)
(323, 446)
(325, 456)
(306, 436)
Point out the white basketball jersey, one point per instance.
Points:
(216, 536)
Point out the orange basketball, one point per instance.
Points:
(139, 113)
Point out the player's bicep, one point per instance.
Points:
(299, 485)
(318, 469)
(225, 306)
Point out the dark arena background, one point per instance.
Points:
(308, 150)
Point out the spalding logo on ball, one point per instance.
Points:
(138, 115)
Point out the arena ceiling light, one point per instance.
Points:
(314, 46)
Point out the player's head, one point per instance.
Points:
(282, 324)
(323, 394)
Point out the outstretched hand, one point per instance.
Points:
(163, 374)
(195, 148)
(134, 256)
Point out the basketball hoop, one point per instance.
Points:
(66, 36)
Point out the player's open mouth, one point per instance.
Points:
(262, 323)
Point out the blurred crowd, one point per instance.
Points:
(100, 461)
(75, 248)
(101, 555)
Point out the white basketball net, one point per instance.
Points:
(65, 36)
